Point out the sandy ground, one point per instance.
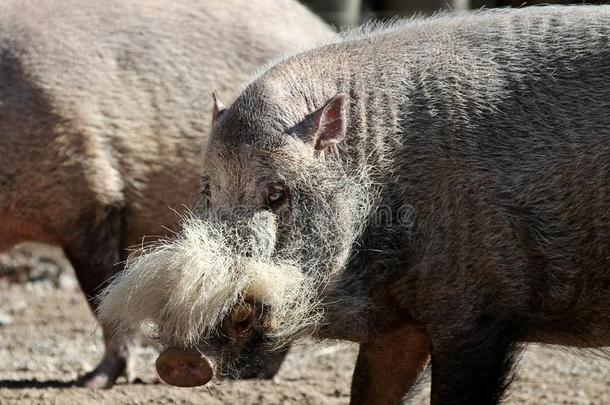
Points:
(48, 337)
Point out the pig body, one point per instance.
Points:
(444, 186)
(104, 108)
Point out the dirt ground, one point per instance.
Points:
(48, 337)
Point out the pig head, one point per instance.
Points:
(274, 226)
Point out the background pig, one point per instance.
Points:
(433, 188)
(102, 118)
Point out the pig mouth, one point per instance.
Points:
(183, 368)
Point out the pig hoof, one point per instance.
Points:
(97, 380)
(105, 374)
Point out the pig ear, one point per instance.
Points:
(219, 109)
(330, 122)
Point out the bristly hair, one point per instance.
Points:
(186, 287)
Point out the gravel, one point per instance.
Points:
(48, 337)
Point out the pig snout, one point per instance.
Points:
(184, 369)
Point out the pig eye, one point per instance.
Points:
(276, 196)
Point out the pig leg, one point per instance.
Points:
(116, 362)
(472, 366)
(388, 366)
(95, 257)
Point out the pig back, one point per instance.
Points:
(120, 91)
(505, 156)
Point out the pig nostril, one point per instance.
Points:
(194, 368)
